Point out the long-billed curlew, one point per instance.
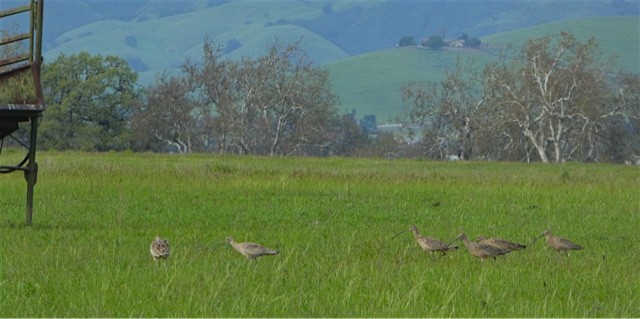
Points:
(500, 243)
(251, 250)
(481, 250)
(558, 243)
(429, 244)
(159, 248)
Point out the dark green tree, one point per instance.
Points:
(434, 42)
(406, 41)
(89, 100)
(351, 138)
(472, 42)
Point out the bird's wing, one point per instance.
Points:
(256, 248)
(493, 249)
(567, 243)
(436, 244)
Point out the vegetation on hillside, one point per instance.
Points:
(333, 31)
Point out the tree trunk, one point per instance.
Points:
(538, 145)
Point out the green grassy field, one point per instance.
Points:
(333, 220)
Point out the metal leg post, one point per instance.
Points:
(31, 174)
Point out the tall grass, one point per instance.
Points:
(333, 221)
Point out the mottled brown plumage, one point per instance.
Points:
(500, 243)
(251, 250)
(429, 244)
(160, 248)
(559, 244)
(481, 250)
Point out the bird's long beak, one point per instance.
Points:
(398, 234)
(535, 239)
(218, 245)
(451, 241)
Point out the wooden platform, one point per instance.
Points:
(12, 115)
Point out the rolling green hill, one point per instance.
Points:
(617, 37)
(157, 35)
(370, 83)
(163, 43)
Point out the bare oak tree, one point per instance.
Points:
(170, 114)
(444, 113)
(276, 104)
(554, 93)
(554, 101)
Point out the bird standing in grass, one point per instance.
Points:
(481, 250)
(429, 244)
(558, 243)
(251, 250)
(160, 248)
(500, 243)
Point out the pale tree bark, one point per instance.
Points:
(542, 92)
(266, 105)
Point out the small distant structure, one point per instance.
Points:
(21, 98)
(368, 124)
(457, 43)
(453, 158)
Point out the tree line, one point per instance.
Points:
(553, 101)
(276, 104)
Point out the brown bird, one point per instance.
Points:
(159, 248)
(558, 243)
(429, 244)
(251, 250)
(481, 250)
(500, 243)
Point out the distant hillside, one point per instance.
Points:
(153, 45)
(157, 35)
(370, 83)
(357, 29)
(618, 37)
